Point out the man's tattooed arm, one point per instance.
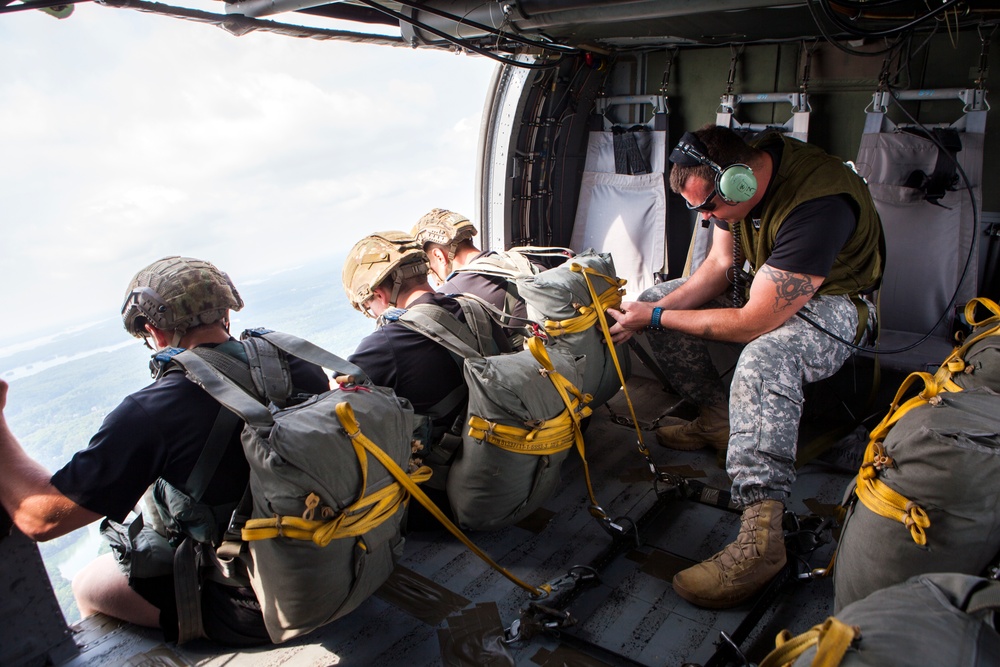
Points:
(789, 287)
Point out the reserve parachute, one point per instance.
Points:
(324, 532)
(523, 418)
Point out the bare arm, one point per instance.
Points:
(706, 283)
(37, 508)
(775, 296)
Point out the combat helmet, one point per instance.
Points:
(176, 294)
(379, 257)
(444, 227)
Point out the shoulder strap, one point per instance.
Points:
(211, 455)
(226, 422)
(480, 321)
(986, 597)
(303, 349)
(223, 389)
(443, 328)
(269, 370)
(233, 368)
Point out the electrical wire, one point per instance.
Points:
(836, 43)
(465, 44)
(462, 20)
(854, 30)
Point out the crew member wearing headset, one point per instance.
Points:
(796, 244)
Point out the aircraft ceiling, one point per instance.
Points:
(560, 26)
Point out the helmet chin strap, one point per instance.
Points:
(397, 283)
(449, 262)
(447, 271)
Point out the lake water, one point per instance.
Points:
(82, 552)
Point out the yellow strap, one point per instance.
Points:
(553, 436)
(345, 413)
(988, 304)
(605, 330)
(564, 388)
(353, 521)
(361, 516)
(610, 298)
(871, 491)
(832, 639)
(955, 363)
(545, 438)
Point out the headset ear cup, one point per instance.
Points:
(736, 183)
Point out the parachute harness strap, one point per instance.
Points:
(345, 414)
(604, 305)
(875, 494)
(565, 388)
(541, 438)
(832, 638)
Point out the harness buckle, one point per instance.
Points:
(573, 576)
(537, 618)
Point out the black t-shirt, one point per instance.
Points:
(413, 365)
(813, 235)
(492, 289)
(160, 431)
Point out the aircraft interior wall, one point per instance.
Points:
(840, 88)
(557, 109)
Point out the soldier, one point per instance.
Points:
(807, 226)
(384, 274)
(446, 237)
(154, 437)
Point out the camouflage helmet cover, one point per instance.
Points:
(377, 258)
(178, 293)
(444, 227)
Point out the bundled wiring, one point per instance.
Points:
(463, 43)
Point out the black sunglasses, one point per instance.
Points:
(706, 206)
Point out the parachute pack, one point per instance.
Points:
(326, 481)
(926, 489)
(931, 619)
(567, 302)
(523, 417)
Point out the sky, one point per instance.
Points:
(126, 137)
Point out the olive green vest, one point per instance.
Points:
(807, 172)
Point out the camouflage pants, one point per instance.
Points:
(766, 396)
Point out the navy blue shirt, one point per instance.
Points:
(414, 366)
(160, 431)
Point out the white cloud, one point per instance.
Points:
(128, 136)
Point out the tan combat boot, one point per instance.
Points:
(709, 429)
(743, 568)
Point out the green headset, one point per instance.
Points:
(734, 183)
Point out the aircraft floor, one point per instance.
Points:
(446, 606)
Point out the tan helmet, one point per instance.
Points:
(176, 294)
(380, 257)
(444, 227)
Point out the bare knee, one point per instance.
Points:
(101, 587)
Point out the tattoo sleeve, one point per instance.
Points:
(788, 286)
